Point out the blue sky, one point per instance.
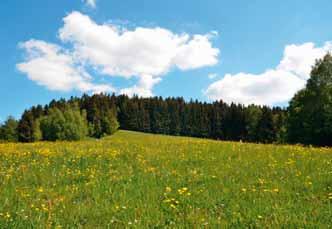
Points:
(260, 51)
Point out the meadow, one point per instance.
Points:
(140, 180)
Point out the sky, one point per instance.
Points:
(239, 51)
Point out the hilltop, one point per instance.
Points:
(145, 180)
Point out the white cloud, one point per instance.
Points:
(299, 59)
(143, 87)
(195, 53)
(91, 3)
(268, 88)
(146, 53)
(273, 86)
(52, 67)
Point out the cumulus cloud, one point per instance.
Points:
(50, 66)
(91, 3)
(146, 54)
(267, 88)
(299, 59)
(272, 86)
(143, 87)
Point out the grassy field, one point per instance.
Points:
(140, 181)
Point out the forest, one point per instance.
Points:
(307, 120)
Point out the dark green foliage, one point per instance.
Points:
(279, 120)
(234, 124)
(253, 116)
(265, 129)
(8, 131)
(68, 124)
(107, 124)
(310, 111)
(173, 116)
(52, 124)
(101, 114)
(28, 127)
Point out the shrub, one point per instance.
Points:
(69, 125)
(8, 131)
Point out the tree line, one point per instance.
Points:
(61, 120)
(307, 120)
(101, 114)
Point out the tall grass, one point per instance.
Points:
(140, 181)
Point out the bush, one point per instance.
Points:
(107, 124)
(8, 131)
(69, 125)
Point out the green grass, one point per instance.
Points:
(150, 181)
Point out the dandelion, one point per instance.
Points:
(308, 183)
(7, 215)
(261, 181)
(182, 191)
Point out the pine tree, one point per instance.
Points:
(27, 127)
(265, 127)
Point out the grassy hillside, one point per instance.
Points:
(140, 180)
